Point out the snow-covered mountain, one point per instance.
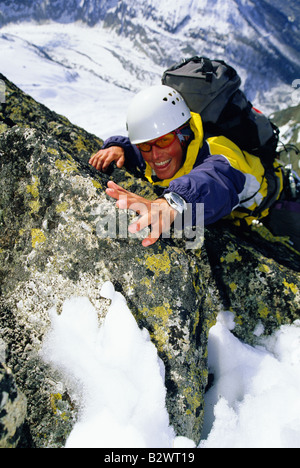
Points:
(256, 33)
(115, 47)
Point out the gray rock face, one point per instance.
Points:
(13, 408)
(53, 211)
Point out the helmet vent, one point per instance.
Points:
(155, 111)
(171, 95)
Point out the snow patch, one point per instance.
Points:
(116, 374)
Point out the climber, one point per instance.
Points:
(166, 143)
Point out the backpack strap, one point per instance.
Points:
(207, 69)
(274, 188)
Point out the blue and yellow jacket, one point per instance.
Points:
(231, 183)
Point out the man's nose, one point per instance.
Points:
(155, 153)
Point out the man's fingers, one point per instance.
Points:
(103, 158)
(121, 162)
(115, 186)
(126, 199)
(149, 241)
(157, 215)
(143, 222)
(105, 162)
(148, 218)
(97, 161)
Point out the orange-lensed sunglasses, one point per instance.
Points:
(162, 142)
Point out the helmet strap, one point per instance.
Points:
(185, 135)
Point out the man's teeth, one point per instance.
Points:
(163, 163)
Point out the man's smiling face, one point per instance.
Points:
(165, 162)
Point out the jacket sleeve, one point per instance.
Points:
(215, 183)
(133, 157)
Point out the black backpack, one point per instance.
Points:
(212, 89)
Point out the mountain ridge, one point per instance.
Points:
(226, 28)
(259, 39)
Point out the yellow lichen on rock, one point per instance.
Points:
(158, 263)
(37, 237)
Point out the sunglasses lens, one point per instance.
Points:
(145, 147)
(165, 140)
(162, 142)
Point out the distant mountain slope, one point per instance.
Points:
(289, 122)
(261, 38)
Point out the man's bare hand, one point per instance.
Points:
(102, 160)
(158, 214)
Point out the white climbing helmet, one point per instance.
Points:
(154, 112)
